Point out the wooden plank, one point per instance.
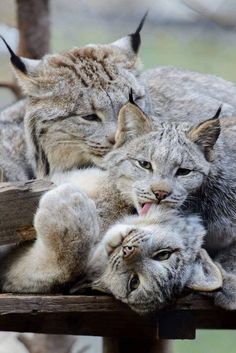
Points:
(88, 324)
(105, 316)
(177, 324)
(12, 303)
(16, 303)
(18, 203)
(79, 315)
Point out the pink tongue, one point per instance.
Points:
(145, 209)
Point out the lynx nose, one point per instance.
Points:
(161, 194)
(128, 251)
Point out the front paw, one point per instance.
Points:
(115, 237)
(226, 297)
(66, 213)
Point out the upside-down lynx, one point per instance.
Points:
(74, 98)
(143, 260)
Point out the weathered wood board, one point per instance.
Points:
(105, 316)
(18, 203)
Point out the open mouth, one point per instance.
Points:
(145, 207)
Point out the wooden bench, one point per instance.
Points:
(89, 314)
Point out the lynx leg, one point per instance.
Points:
(67, 227)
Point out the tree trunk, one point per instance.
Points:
(34, 27)
(34, 30)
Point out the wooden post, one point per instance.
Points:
(135, 345)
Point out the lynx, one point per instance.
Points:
(144, 260)
(181, 95)
(190, 168)
(74, 99)
(13, 162)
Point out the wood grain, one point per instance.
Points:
(105, 316)
(18, 203)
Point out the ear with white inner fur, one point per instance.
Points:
(24, 69)
(132, 122)
(131, 43)
(205, 275)
(206, 134)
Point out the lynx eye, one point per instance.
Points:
(133, 283)
(91, 117)
(162, 255)
(183, 171)
(145, 165)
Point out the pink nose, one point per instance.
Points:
(161, 194)
(127, 251)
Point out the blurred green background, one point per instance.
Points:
(174, 34)
(208, 341)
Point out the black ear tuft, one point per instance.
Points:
(135, 37)
(16, 60)
(217, 114)
(131, 98)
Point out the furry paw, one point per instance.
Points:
(226, 297)
(65, 215)
(115, 236)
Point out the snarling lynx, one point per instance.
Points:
(127, 260)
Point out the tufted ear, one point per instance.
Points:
(130, 44)
(205, 276)
(206, 134)
(132, 122)
(24, 70)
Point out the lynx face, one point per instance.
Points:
(164, 166)
(151, 260)
(73, 102)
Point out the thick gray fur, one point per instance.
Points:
(68, 226)
(13, 162)
(65, 87)
(172, 94)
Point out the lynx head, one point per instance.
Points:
(151, 259)
(164, 165)
(74, 99)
